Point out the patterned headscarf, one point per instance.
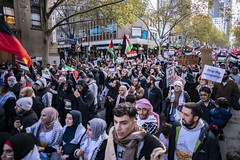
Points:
(144, 103)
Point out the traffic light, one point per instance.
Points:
(72, 49)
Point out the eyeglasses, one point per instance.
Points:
(203, 95)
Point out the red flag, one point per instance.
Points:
(235, 50)
(10, 44)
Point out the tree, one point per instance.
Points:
(236, 34)
(86, 13)
(193, 28)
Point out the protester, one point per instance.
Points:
(21, 147)
(26, 117)
(235, 76)
(85, 99)
(164, 137)
(206, 103)
(129, 141)
(190, 138)
(14, 85)
(94, 145)
(136, 89)
(37, 106)
(122, 95)
(175, 100)
(146, 118)
(153, 94)
(220, 116)
(49, 133)
(73, 133)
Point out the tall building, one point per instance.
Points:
(25, 19)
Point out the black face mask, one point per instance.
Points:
(148, 85)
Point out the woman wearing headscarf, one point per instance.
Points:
(73, 133)
(95, 144)
(21, 146)
(176, 99)
(109, 103)
(122, 95)
(49, 133)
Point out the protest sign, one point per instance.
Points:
(213, 73)
(206, 56)
(170, 75)
(111, 69)
(188, 59)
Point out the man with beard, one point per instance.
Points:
(68, 101)
(153, 94)
(85, 99)
(136, 89)
(37, 106)
(26, 117)
(227, 89)
(127, 140)
(190, 138)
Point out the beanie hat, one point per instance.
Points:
(11, 81)
(25, 103)
(178, 83)
(41, 82)
(144, 103)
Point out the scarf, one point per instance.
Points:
(52, 117)
(180, 99)
(130, 142)
(70, 131)
(176, 99)
(122, 97)
(3, 99)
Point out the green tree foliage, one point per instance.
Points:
(236, 34)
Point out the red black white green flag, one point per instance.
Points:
(127, 45)
(10, 44)
(111, 50)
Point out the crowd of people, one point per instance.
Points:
(57, 116)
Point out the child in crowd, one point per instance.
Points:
(220, 116)
(164, 137)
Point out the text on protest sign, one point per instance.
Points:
(170, 75)
(213, 73)
(188, 59)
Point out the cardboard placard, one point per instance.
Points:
(206, 57)
(213, 73)
(188, 59)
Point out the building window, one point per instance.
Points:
(35, 14)
(9, 15)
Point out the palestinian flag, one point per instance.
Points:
(132, 54)
(23, 66)
(127, 46)
(71, 70)
(238, 55)
(220, 58)
(111, 50)
(10, 44)
(46, 74)
(232, 58)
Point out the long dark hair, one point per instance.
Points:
(115, 88)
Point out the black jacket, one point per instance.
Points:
(208, 148)
(126, 81)
(27, 120)
(16, 89)
(155, 97)
(86, 106)
(189, 82)
(206, 110)
(37, 106)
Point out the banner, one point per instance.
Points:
(170, 75)
(188, 59)
(213, 73)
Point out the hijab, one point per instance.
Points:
(177, 94)
(52, 117)
(70, 131)
(98, 127)
(124, 88)
(22, 144)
